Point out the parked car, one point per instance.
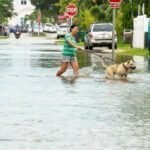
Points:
(24, 29)
(11, 29)
(29, 29)
(99, 34)
(36, 28)
(4, 30)
(62, 30)
(48, 27)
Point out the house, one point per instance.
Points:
(21, 8)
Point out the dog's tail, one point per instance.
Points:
(103, 62)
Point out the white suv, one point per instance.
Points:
(99, 34)
(48, 27)
(62, 30)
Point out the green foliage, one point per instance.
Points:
(98, 13)
(93, 11)
(119, 26)
(86, 18)
(6, 10)
(127, 21)
(48, 9)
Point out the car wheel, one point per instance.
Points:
(110, 46)
(85, 46)
(90, 47)
(57, 37)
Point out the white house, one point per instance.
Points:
(21, 8)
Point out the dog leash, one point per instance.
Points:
(91, 52)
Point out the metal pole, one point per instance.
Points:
(38, 29)
(71, 20)
(113, 36)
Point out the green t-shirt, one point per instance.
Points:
(68, 50)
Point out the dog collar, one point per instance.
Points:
(125, 67)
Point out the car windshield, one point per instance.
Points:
(48, 25)
(64, 27)
(99, 28)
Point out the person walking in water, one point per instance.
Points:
(69, 52)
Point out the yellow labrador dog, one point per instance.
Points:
(121, 70)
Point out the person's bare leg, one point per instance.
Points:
(74, 65)
(63, 68)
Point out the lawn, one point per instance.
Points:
(126, 49)
(4, 37)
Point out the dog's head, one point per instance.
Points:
(130, 64)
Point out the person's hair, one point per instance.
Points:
(72, 26)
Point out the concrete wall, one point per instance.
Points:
(140, 28)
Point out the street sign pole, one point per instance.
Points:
(71, 20)
(114, 4)
(113, 36)
(39, 21)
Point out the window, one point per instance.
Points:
(22, 21)
(23, 2)
(99, 28)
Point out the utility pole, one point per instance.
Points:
(113, 36)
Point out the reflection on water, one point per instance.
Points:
(148, 66)
(84, 59)
(142, 63)
(68, 79)
(39, 111)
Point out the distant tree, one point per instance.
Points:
(85, 18)
(6, 10)
(47, 7)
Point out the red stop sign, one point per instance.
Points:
(71, 10)
(114, 1)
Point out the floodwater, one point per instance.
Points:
(39, 111)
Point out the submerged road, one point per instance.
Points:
(39, 111)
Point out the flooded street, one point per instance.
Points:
(39, 111)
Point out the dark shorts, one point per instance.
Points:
(68, 58)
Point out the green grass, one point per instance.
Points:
(59, 41)
(125, 49)
(133, 51)
(4, 37)
(36, 34)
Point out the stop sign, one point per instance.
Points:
(114, 1)
(71, 10)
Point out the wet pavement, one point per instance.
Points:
(39, 111)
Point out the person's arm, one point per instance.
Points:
(73, 45)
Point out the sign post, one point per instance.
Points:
(114, 4)
(71, 10)
(39, 21)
